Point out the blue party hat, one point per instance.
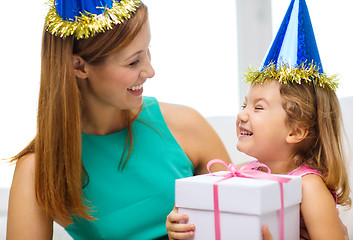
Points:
(293, 55)
(85, 18)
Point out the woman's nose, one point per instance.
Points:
(148, 71)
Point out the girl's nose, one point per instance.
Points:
(242, 116)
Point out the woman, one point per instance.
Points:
(104, 160)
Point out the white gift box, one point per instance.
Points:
(245, 205)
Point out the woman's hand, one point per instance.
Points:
(266, 235)
(343, 227)
(177, 226)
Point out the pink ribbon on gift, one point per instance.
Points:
(246, 171)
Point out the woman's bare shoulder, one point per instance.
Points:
(179, 112)
(26, 164)
(26, 219)
(186, 122)
(194, 134)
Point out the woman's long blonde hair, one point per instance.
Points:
(318, 110)
(59, 174)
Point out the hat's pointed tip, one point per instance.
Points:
(295, 40)
(293, 56)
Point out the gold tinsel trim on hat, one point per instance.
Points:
(304, 73)
(88, 24)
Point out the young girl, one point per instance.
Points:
(295, 129)
(291, 121)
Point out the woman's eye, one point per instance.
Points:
(134, 63)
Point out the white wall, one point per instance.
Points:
(21, 30)
(194, 53)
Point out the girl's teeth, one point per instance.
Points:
(246, 133)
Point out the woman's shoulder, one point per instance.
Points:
(24, 211)
(23, 178)
(180, 115)
(194, 134)
(25, 165)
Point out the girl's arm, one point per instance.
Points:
(26, 220)
(318, 209)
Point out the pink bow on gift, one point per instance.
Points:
(249, 170)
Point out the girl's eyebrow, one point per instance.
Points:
(261, 99)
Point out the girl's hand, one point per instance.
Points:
(177, 226)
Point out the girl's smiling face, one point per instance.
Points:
(261, 125)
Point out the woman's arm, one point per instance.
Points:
(201, 144)
(318, 209)
(26, 220)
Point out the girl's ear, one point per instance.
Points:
(79, 66)
(297, 134)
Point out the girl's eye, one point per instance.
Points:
(243, 106)
(259, 108)
(134, 63)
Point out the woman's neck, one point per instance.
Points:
(106, 121)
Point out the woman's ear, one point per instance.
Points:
(79, 66)
(297, 134)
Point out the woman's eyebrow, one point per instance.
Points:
(133, 55)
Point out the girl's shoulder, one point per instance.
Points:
(313, 182)
(304, 170)
(318, 209)
(313, 186)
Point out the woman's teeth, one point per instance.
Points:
(136, 88)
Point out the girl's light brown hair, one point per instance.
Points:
(318, 110)
(59, 174)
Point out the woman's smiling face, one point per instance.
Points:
(118, 82)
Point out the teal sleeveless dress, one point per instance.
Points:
(132, 203)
